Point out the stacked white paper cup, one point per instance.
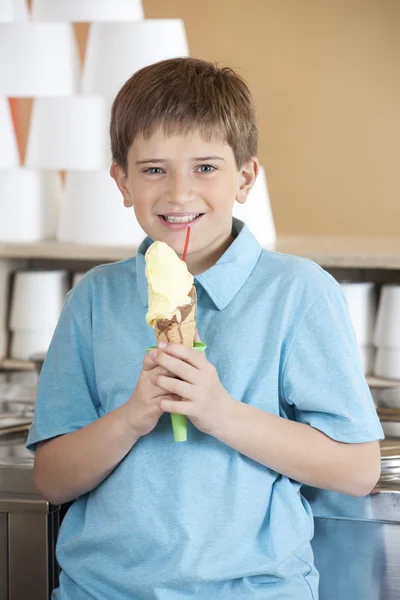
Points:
(38, 59)
(87, 10)
(387, 333)
(69, 133)
(29, 205)
(93, 212)
(115, 51)
(362, 301)
(37, 301)
(13, 10)
(256, 212)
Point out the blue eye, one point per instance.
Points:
(206, 168)
(153, 171)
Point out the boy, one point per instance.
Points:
(280, 399)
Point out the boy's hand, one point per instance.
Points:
(143, 407)
(201, 395)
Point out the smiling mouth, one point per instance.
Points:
(181, 219)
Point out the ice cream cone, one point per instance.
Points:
(170, 330)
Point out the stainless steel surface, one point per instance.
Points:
(3, 556)
(357, 544)
(28, 528)
(28, 551)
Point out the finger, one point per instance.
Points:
(148, 363)
(164, 396)
(177, 367)
(182, 407)
(175, 386)
(190, 356)
(161, 371)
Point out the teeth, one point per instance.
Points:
(186, 219)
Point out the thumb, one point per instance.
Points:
(197, 337)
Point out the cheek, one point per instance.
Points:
(142, 197)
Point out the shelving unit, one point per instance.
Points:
(328, 251)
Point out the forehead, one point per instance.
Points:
(164, 144)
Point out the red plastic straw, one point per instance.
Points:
(186, 244)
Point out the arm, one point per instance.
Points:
(73, 464)
(299, 451)
(293, 449)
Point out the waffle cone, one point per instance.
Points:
(179, 333)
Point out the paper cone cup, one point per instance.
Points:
(13, 10)
(38, 59)
(93, 212)
(117, 50)
(87, 11)
(69, 133)
(256, 212)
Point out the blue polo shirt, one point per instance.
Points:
(199, 519)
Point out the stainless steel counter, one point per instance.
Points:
(357, 544)
(28, 528)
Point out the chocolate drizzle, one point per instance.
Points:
(164, 325)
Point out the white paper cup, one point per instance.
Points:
(93, 212)
(8, 144)
(256, 212)
(115, 51)
(69, 133)
(367, 355)
(38, 59)
(37, 300)
(361, 300)
(25, 344)
(13, 10)
(387, 330)
(88, 11)
(29, 205)
(387, 363)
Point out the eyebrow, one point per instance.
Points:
(162, 160)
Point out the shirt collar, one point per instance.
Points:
(223, 280)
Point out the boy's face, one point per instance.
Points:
(182, 179)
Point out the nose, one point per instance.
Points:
(180, 190)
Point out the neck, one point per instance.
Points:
(198, 262)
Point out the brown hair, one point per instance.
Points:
(180, 95)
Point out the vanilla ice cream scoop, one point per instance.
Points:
(169, 283)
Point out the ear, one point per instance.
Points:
(121, 179)
(247, 177)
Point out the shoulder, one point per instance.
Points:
(298, 279)
(111, 278)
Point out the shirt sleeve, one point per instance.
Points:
(323, 381)
(67, 398)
